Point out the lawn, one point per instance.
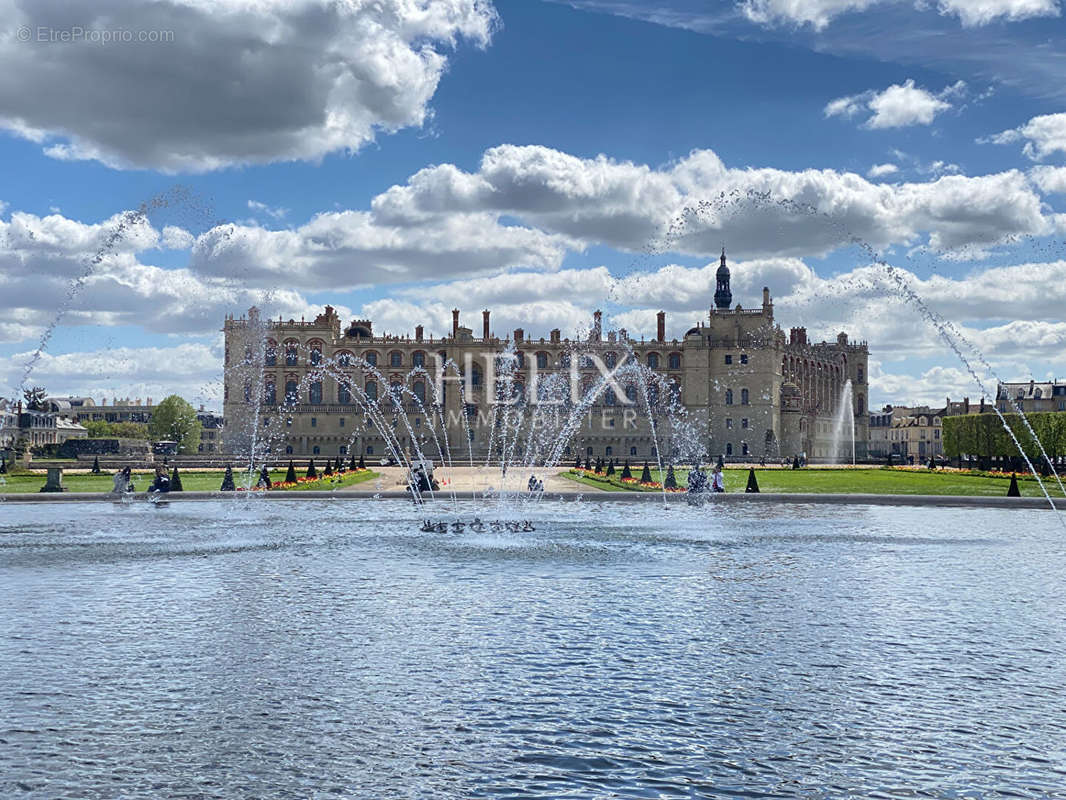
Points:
(208, 481)
(872, 480)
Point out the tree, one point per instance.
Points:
(175, 482)
(98, 429)
(34, 398)
(290, 476)
(174, 420)
(130, 430)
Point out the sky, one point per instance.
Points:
(881, 166)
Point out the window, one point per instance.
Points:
(542, 360)
(631, 394)
(271, 354)
(370, 449)
(420, 391)
(520, 359)
(418, 359)
(316, 356)
(610, 359)
(344, 359)
(743, 358)
(585, 362)
(475, 375)
(314, 393)
(861, 402)
(291, 389)
(588, 451)
(564, 360)
(371, 390)
(743, 397)
(632, 451)
(288, 449)
(858, 375)
(371, 358)
(247, 392)
(653, 360)
(343, 450)
(316, 450)
(418, 422)
(292, 356)
(744, 422)
(270, 394)
(729, 359)
(344, 393)
(674, 361)
(609, 451)
(729, 448)
(341, 421)
(729, 423)
(729, 397)
(744, 448)
(314, 422)
(395, 359)
(288, 422)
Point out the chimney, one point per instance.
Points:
(519, 335)
(485, 324)
(966, 404)
(765, 297)
(418, 333)
(555, 335)
(455, 323)
(660, 326)
(597, 326)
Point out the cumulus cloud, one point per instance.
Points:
(897, 106)
(1050, 180)
(1043, 136)
(981, 12)
(229, 82)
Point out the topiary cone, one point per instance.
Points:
(96, 465)
(328, 470)
(227, 481)
(610, 468)
(626, 472)
(753, 483)
(311, 471)
(645, 476)
(1012, 490)
(175, 482)
(362, 463)
(671, 479)
(290, 476)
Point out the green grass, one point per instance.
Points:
(209, 481)
(873, 480)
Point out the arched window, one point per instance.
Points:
(420, 391)
(610, 359)
(270, 355)
(861, 402)
(314, 393)
(729, 448)
(371, 358)
(288, 449)
(475, 375)
(247, 392)
(291, 388)
(585, 361)
(370, 449)
(371, 390)
(316, 450)
(632, 451)
(542, 360)
(418, 359)
(344, 392)
(674, 361)
(395, 359)
(564, 360)
(344, 359)
(729, 397)
(520, 359)
(270, 394)
(631, 394)
(343, 450)
(396, 389)
(315, 355)
(518, 391)
(292, 353)
(743, 397)
(610, 398)
(653, 360)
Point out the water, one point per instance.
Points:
(844, 421)
(246, 649)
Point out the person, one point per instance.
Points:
(264, 479)
(532, 485)
(697, 481)
(161, 483)
(122, 482)
(717, 480)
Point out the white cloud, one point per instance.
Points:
(897, 106)
(262, 208)
(236, 83)
(175, 238)
(881, 170)
(1050, 180)
(819, 13)
(1043, 136)
(981, 12)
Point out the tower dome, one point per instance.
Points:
(723, 298)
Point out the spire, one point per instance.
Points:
(723, 298)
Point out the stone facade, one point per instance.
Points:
(747, 390)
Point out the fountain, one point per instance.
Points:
(845, 421)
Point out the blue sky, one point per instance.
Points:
(528, 157)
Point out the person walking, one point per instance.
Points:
(717, 480)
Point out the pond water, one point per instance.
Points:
(253, 649)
